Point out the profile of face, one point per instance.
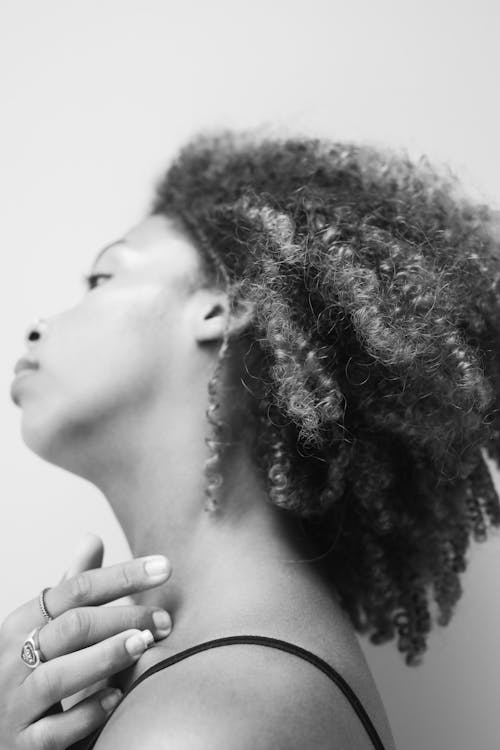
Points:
(133, 349)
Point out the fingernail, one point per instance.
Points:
(148, 637)
(162, 623)
(156, 566)
(139, 642)
(110, 700)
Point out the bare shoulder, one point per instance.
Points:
(240, 696)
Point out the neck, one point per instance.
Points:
(227, 566)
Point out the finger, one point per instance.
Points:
(90, 587)
(104, 585)
(65, 675)
(63, 730)
(89, 554)
(83, 626)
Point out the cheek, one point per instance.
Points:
(98, 358)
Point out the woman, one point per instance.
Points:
(339, 304)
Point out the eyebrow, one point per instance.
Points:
(106, 248)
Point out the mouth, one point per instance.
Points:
(25, 363)
(23, 367)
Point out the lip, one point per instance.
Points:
(24, 366)
(18, 380)
(25, 363)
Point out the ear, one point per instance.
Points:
(212, 312)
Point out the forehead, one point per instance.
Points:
(157, 230)
(159, 240)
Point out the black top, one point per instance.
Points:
(291, 648)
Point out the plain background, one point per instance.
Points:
(96, 95)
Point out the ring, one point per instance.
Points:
(31, 653)
(41, 601)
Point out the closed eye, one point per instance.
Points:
(91, 280)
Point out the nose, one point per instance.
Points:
(34, 332)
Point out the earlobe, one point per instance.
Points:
(214, 311)
(210, 319)
(242, 316)
(212, 325)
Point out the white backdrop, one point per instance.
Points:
(96, 95)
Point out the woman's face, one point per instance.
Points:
(123, 350)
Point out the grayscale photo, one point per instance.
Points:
(251, 375)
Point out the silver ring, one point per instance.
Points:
(41, 601)
(30, 652)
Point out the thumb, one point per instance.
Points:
(88, 555)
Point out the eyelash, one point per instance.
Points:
(90, 280)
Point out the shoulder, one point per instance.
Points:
(241, 696)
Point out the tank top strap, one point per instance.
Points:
(259, 640)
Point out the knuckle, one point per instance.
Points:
(73, 622)
(47, 683)
(127, 576)
(80, 588)
(42, 737)
(141, 617)
(7, 626)
(109, 661)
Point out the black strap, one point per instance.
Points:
(89, 742)
(291, 648)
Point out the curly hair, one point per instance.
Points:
(373, 363)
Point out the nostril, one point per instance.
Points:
(35, 330)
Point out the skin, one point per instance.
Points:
(120, 399)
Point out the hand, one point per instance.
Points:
(89, 554)
(83, 645)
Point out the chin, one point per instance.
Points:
(40, 437)
(73, 436)
(50, 437)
